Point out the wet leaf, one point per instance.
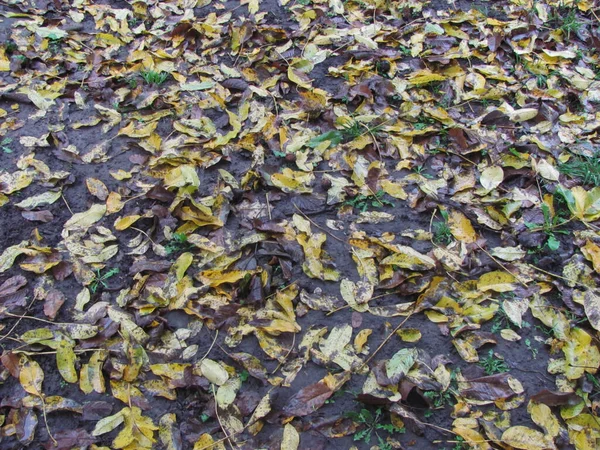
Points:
(291, 438)
(312, 397)
(526, 438)
(65, 361)
(31, 377)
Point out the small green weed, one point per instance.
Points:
(459, 444)
(406, 51)
(439, 399)
(593, 379)
(533, 350)
(423, 122)
(10, 46)
(363, 202)
(371, 423)
(178, 242)
(568, 20)
(153, 77)
(4, 145)
(549, 227)
(421, 171)
(492, 364)
(204, 417)
(586, 169)
(501, 320)
(441, 231)
(100, 279)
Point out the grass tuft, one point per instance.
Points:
(586, 169)
(153, 77)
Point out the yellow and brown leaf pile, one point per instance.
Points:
(299, 224)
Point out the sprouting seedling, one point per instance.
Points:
(371, 423)
(179, 241)
(442, 234)
(363, 202)
(4, 145)
(492, 364)
(153, 77)
(100, 279)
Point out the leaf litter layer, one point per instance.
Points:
(304, 224)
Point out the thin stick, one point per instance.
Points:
(65, 200)
(30, 317)
(5, 336)
(211, 346)
(286, 356)
(46, 420)
(318, 226)
(385, 341)
(218, 418)
(501, 265)
(144, 233)
(268, 206)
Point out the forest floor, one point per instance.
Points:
(303, 224)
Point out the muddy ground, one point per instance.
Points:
(329, 426)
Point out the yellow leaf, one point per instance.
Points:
(206, 442)
(473, 438)
(408, 258)
(109, 423)
(182, 176)
(47, 198)
(496, 281)
(491, 177)
(31, 377)
(122, 223)
(542, 415)
(8, 256)
(291, 438)
(298, 77)
(293, 181)
(581, 354)
(83, 220)
(527, 439)
(182, 264)
(114, 203)
(592, 253)
(357, 295)
(591, 304)
(461, 227)
(97, 188)
(65, 361)
(217, 277)
(425, 77)
(361, 339)
(91, 378)
(121, 175)
(522, 115)
(213, 372)
(134, 131)
(409, 334)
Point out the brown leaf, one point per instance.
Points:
(143, 264)
(492, 387)
(44, 216)
(310, 398)
(68, 439)
(12, 285)
(552, 398)
(62, 270)
(54, 300)
(11, 362)
(251, 364)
